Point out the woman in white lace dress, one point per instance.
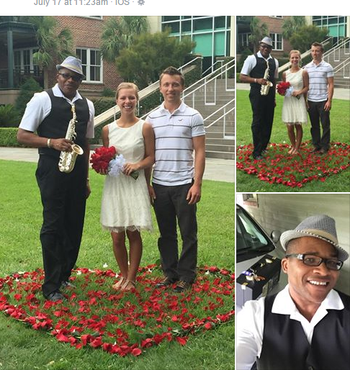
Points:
(126, 207)
(294, 113)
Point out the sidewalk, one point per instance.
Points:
(342, 94)
(215, 169)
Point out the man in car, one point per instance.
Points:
(306, 325)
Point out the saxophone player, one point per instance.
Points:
(261, 71)
(44, 125)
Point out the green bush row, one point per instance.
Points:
(8, 136)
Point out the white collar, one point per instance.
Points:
(58, 93)
(180, 108)
(284, 304)
(259, 55)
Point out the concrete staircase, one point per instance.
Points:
(216, 103)
(339, 58)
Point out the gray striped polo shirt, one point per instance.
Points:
(318, 83)
(173, 144)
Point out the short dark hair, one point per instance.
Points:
(318, 44)
(172, 71)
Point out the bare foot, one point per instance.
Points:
(117, 286)
(291, 150)
(128, 286)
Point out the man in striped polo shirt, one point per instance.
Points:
(177, 179)
(321, 89)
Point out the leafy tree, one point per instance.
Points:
(150, 54)
(52, 46)
(119, 33)
(292, 25)
(259, 31)
(306, 35)
(28, 89)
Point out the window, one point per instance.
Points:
(92, 64)
(277, 41)
(243, 40)
(23, 61)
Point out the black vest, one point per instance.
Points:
(259, 70)
(285, 346)
(56, 123)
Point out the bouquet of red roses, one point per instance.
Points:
(107, 160)
(282, 88)
(285, 89)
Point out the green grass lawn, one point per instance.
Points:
(22, 348)
(340, 131)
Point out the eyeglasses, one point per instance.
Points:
(311, 260)
(265, 46)
(67, 76)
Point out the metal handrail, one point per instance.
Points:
(341, 65)
(218, 110)
(106, 115)
(202, 83)
(337, 46)
(216, 71)
(224, 69)
(212, 66)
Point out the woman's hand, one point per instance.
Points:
(130, 167)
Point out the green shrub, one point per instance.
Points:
(8, 136)
(9, 116)
(107, 92)
(28, 89)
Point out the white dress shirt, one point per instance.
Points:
(250, 63)
(39, 107)
(250, 323)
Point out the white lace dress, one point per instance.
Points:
(294, 109)
(125, 201)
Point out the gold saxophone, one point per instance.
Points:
(67, 159)
(264, 90)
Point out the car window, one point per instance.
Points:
(251, 240)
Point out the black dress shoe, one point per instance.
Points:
(166, 282)
(67, 284)
(315, 150)
(55, 296)
(182, 286)
(323, 151)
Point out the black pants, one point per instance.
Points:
(171, 207)
(317, 114)
(263, 108)
(63, 197)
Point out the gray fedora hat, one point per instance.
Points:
(266, 40)
(73, 64)
(318, 226)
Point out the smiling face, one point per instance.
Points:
(171, 88)
(127, 100)
(317, 53)
(309, 285)
(265, 49)
(295, 59)
(67, 84)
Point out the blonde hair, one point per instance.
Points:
(295, 52)
(127, 85)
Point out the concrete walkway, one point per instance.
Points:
(342, 94)
(216, 169)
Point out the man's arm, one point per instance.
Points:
(330, 92)
(28, 138)
(249, 332)
(194, 194)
